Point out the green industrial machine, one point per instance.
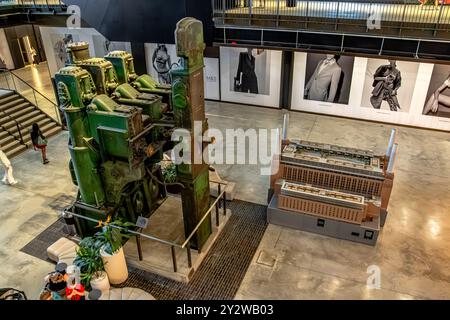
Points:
(189, 112)
(124, 65)
(113, 152)
(119, 131)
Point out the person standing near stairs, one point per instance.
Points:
(39, 141)
(8, 178)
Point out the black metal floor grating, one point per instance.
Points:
(220, 273)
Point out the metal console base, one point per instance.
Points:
(367, 233)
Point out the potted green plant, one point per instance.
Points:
(112, 236)
(91, 264)
(169, 173)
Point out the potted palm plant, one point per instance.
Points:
(91, 264)
(112, 236)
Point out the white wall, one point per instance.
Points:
(96, 41)
(5, 52)
(211, 78)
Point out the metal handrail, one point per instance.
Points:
(406, 13)
(31, 87)
(15, 88)
(32, 4)
(185, 245)
(18, 126)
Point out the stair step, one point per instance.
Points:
(26, 123)
(3, 133)
(23, 116)
(6, 140)
(8, 98)
(11, 145)
(11, 104)
(15, 151)
(20, 107)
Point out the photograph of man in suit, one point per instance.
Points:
(324, 82)
(387, 80)
(246, 80)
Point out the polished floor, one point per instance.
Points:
(413, 251)
(31, 77)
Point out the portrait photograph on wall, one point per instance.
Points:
(103, 46)
(438, 96)
(250, 69)
(59, 44)
(389, 84)
(161, 58)
(328, 78)
(250, 76)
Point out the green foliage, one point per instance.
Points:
(89, 260)
(112, 238)
(170, 173)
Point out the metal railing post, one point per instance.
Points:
(189, 257)
(337, 15)
(35, 99)
(278, 13)
(224, 5)
(20, 132)
(307, 14)
(438, 20)
(250, 6)
(14, 82)
(174, 259)
(217, 205)
(225, 202)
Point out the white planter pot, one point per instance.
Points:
(101, 282)
(115, 266)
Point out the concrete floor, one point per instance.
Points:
(412, 252)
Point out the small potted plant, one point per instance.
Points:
(169, 173)
(91, 264)
(112, 236)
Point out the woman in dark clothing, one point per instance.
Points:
(39, 141)
(246, 80)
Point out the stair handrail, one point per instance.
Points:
(58, 116)
(18, 125)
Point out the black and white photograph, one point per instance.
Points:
(103, 46)
(250, 71)
(328, 78)
(438, 96)
(389, 85)
(161, 58)
(59, 44)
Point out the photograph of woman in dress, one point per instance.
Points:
(246, 80)
(162, 64)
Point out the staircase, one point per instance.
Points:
(17, 114)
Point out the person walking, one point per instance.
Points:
(33, 56)
(8, 177)
(39, 142)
